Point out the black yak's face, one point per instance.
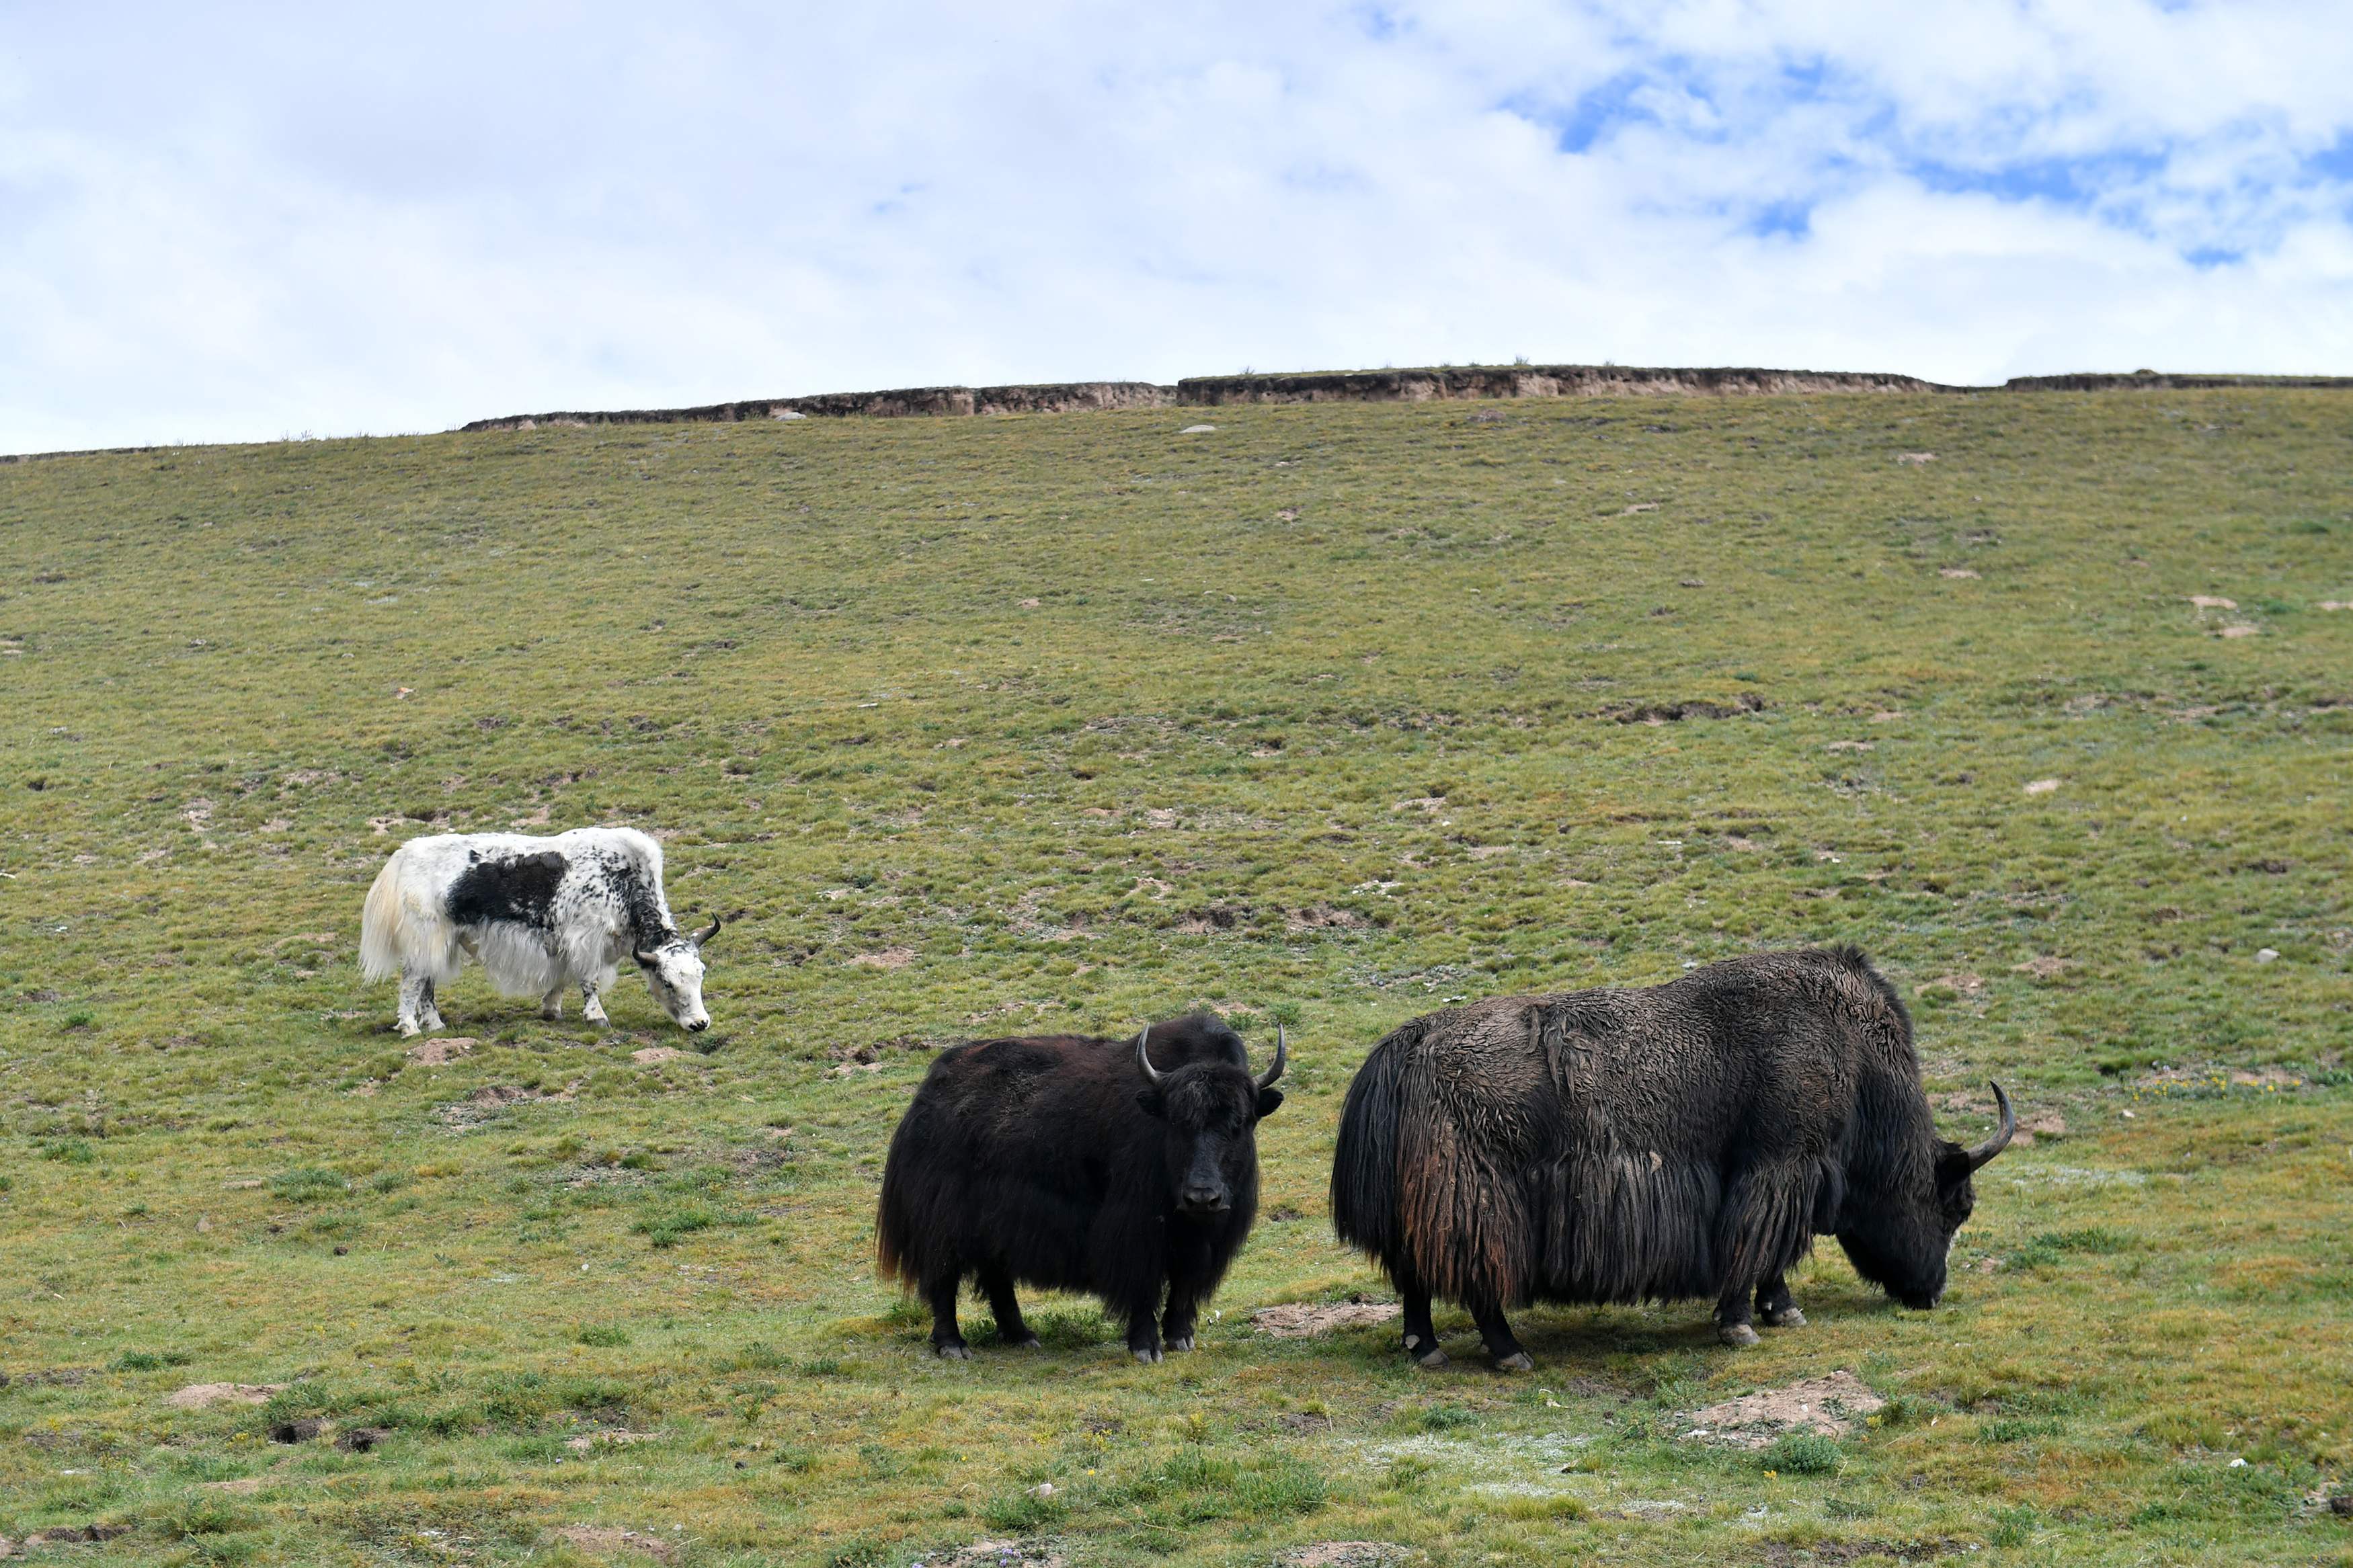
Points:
(1900, 1239)
(1208, 1114)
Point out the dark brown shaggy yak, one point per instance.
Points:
(1683, 1141)
(1073, 1163)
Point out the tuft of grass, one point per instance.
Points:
(1802, 1454)
(308, 1185)
(605, 1336)
(148, 1360)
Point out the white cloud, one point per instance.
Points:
(291, 218)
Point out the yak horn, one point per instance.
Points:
(2000, 1139)
(1144, 1059)
(1281, 1055)
(707, 935)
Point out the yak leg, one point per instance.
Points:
(1496, 1334)
(551, 1007)
(948, 1339)
(1008, 1307)
(432, 1013)
(1420, 1339)
(414, 989)
(1188, 1275)
(1775, 1308)
(1143, 1333)
(590, 1008)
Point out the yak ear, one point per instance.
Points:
(1952, 1166)
(1153, 1104)
(1270, 1101)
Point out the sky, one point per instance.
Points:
(253, 221)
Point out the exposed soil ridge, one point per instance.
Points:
(1443, 384)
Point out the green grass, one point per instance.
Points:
(1330, 717)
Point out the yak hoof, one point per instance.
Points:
(1181, 1342)
(1147, 1355)
(1739, 1336)
(407, 1028)
(956, 1352)
(1786, 1318)
(1517, 1361)
(1433, 1358)
(1026, 1342)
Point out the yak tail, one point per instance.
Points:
(402, 927)
(1365, 1204)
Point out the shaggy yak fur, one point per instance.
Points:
(1685, 1141)
(1113, 1168)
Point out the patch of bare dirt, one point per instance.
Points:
(1345, 1554)
(2042, 1124)
(617, 1438)
(2042, 966)
(1829, 1405)
(1967, 984)
(1955, 572)
(196, 1395)
(613, 1538)
(434, 1053)
(653, 1054)
(889, 958)
(1299, 1321)
(1676, 712)
(1006, 1554)
(1323, 917)
(245, 1488)
(1783, 1554)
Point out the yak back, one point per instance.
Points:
(1619, 1145)
(1032, 1155)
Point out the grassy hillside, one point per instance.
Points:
(1332, 715)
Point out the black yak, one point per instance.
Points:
(1682, 1141)
(1073, 1163)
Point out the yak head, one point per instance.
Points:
(1898, 1238)
(1211, 1111)
(673, 972)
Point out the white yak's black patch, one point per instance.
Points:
(521, 890)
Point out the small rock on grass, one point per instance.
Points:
(362, 1440)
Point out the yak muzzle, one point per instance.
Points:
(698, 1025)
(1202, 1201)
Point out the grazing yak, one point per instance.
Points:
(1678, 1141)
(541, 914)
(1072, 1163)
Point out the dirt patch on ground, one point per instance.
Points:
(246, 1487)
(1006, 1554)
(196, 1395)
(1829, 1405)
(1323, 917)
(2042, 966)
(612, 1538)
(1782, 1554)
(889, 958)
(434, 1053)
(658, 1054)
(1298, 1321)
(615, 1439)
(1345, 1554)
(1965, 985)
